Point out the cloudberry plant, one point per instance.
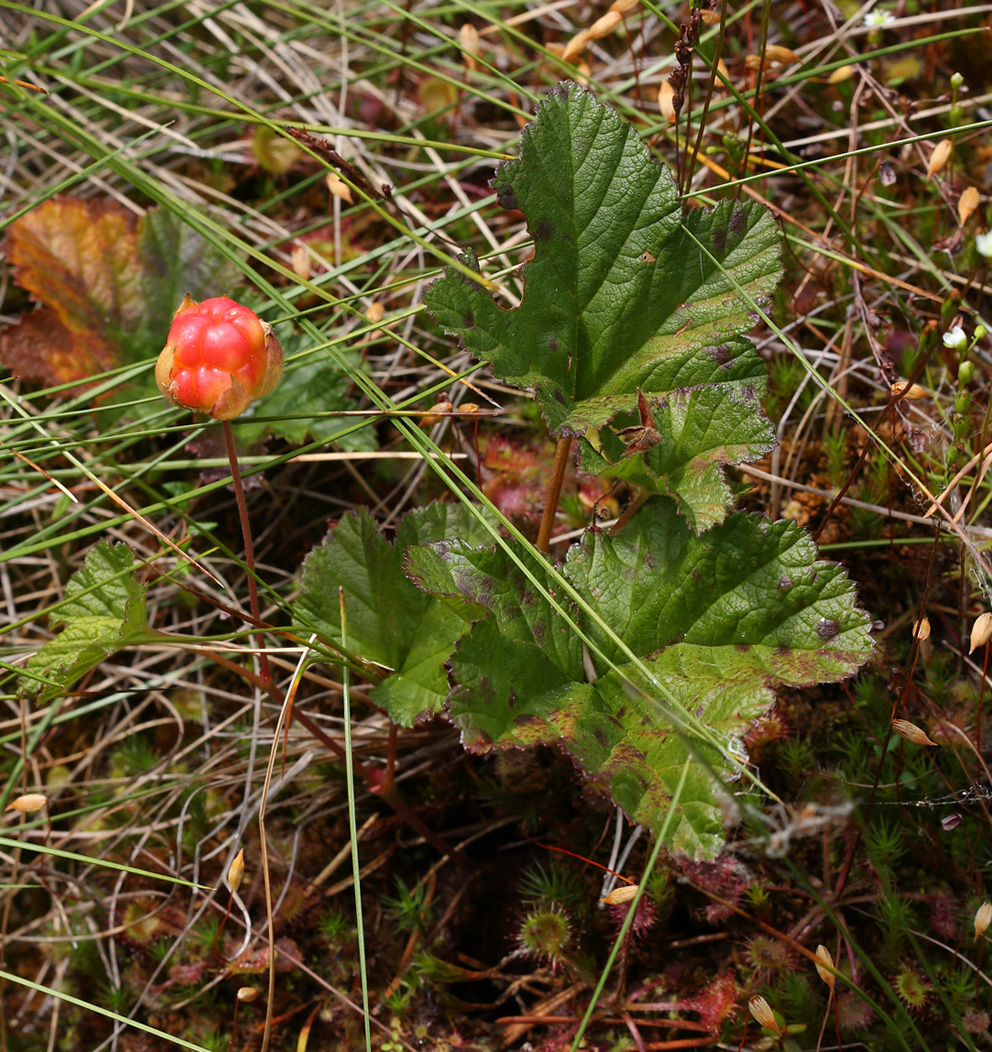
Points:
(218, 358)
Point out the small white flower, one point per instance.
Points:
(878, 19)
(983, 243)
(956, 338)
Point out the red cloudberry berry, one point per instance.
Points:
(219, 357)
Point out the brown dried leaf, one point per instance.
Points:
(80, 258)
(108, 283)
(606, 25)
(338, 187)
(666, 101)
(575, 47)
(778, 53)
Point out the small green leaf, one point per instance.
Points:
(626, 295)
(174, 260)
(719, 620)
(680, 449)
(103, 612)
(304, 404)
(391, 622)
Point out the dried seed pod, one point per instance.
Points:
(603, 27)
(576, 46)
(301, 262)
(624, 7)
(710, 18)
(375, 312)
(911, 732)
(28, 803)
(247, 994)
(620, 895)
(824, 964)
(777, 53)
(763, 1014)
(921, 630)
(840, 74)
(756, 62)
(981, 630)
(983, 917)
(967, 203)
(237, 871)
(436, 414)
(666, 101)
(939, 158)
(468, 39)
(338, 187)
(911, 392)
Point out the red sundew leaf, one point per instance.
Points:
(715, 1003)
(188, 974)
(513, 478)
(79, 258)
(254, 962)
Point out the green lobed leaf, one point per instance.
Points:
(104, 611)
(624, 293)
(719, 619)
(391, 622)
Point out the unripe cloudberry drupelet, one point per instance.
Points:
(218, 358)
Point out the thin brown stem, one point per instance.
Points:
(562, 451)
(239, 493)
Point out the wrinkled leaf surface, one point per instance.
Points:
(391, 622)
(104, 612)
(624, 293)
(718, 619)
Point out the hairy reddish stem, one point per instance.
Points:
(562, 451)
(239, 493)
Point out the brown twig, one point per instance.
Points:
(558, 469)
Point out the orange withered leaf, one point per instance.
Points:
(79, 259)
